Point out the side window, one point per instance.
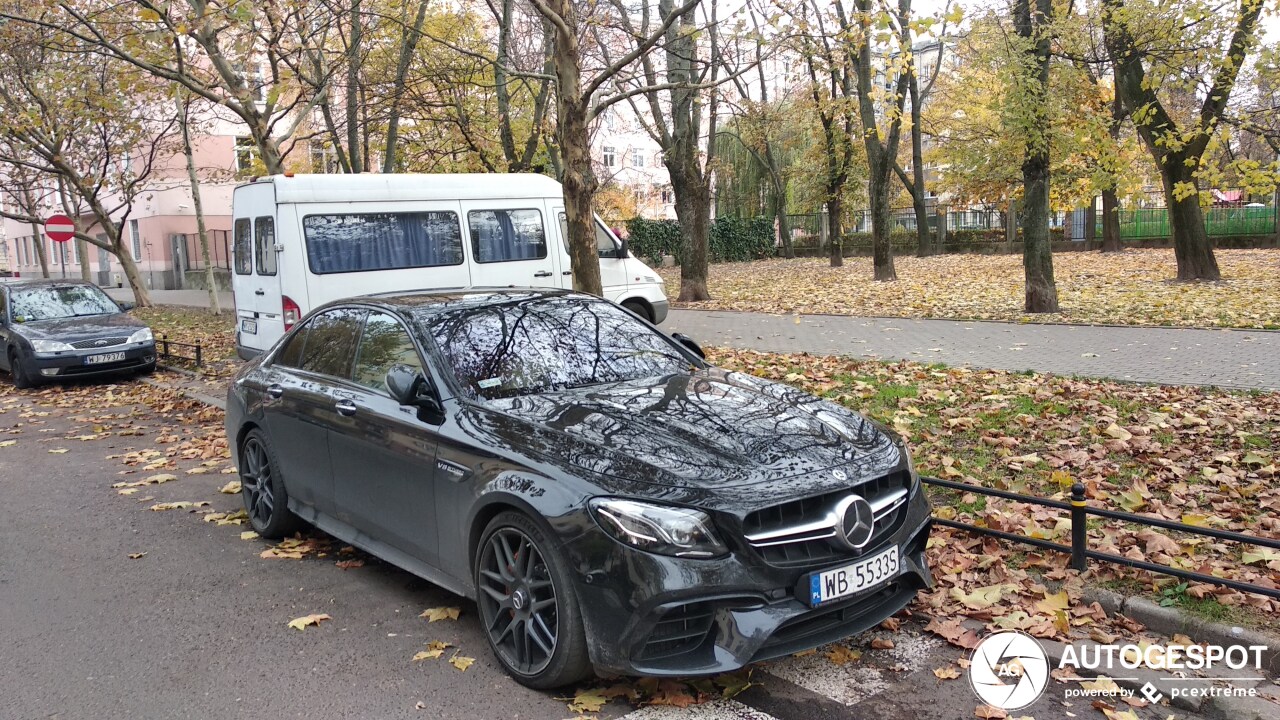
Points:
(382, 241)
(243, 247)
(507, 235)
(264, 245)
(384, 343)
(605, 246)
(331, 342)
(291, 354)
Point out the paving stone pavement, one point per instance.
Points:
(1242, 359)
(1246, 359)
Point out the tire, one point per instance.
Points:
(21, 379)
(537, 580)
(265, 498)
(638, 308)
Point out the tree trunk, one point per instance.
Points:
(1191, 245)
(141, 297)
(352, 108)
(579, 191)
(1037, 255)
(835, 233)
(408, 46)
(82, 253)
(784, 222)
(198, 206)
(693, 211)
(1111, 221)
(881, 247)
(925, 240)
(37, 237)
(1091, 223)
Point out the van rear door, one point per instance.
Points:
(509, 243)
(256, 277)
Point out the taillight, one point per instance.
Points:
(292, 313)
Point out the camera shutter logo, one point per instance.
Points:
(1009, 670)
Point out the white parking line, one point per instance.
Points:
(716, 710)
(848, 684)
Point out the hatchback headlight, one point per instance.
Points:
(142, 336)
(49, 346)
(658, 529)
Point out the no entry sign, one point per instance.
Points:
(59, 228)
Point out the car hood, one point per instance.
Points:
(711, 430)
(79, 328)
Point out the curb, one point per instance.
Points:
(1170, 621)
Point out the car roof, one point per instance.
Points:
(430, 302)
(379, 187)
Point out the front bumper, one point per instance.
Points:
(652, 615)
(73, 363)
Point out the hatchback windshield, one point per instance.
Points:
(534, 345)
(60, 301)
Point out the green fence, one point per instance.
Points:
(1144, 223)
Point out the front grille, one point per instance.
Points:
(96, 343)
(798, 534)
(680, 629)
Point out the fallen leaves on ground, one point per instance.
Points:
(136, 556)
(350, 564)
(1128, 288)
(987, 712)
(306, 620)
(177, 505)
(435, 649)
(842, 654)
(441, 613)
(296, 548)
(949, 672)
(249, 535)
(461, 662)
(231, 488)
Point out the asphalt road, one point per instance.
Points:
(197, 627)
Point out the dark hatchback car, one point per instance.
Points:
(54, 329)
(607, 497)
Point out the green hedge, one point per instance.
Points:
(732, 239)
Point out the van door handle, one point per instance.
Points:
(275, 391)
(345, 407)
(542, 273)
(567, 272)
(259, 292)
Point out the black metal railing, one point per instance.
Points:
(1079, 550)
(165, 346)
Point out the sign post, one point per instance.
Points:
(60, 229)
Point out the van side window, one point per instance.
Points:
(331, 342)
(264, 245)
(243, 247)
(507, 235)
(605, 245)
(381, 241)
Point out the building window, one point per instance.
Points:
(666, 195)
(637, 158)
(323, 159)
(259, 81)
(609, 156)
(246, 155)
(136, 237)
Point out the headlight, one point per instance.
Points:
(142, 336)
(657, 528)
(49, 346)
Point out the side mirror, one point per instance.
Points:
(126, 306)
(624, 250)
(689, 343)
(410, 387)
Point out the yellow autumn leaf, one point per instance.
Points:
(302, 622)
(435, 649)
(588, 701)
(230, 488)
(949, 672)
(7, 443)
(981, 598)
(248, 535)
(841, 654)
(461, 662)
(59, 451)
(135, 556)
(441, 613)
(1262, 555)
(1053, 602)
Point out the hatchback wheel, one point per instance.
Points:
(21, 379)
(265, 499)
(528, 605)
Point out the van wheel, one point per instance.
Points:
(638, 309)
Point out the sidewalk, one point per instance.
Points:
(1242, 359)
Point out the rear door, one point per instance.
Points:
(508, 242)
(255, 271)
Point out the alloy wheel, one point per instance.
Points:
(255, 483)
(518, 601)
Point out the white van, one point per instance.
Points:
(301, 241)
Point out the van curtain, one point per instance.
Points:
(382, 241)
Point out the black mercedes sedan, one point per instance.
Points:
(608, 498)
(52, 329)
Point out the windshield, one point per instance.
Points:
(60, 301)
(533, 345)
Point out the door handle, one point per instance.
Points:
(259, 292)
(345, 408)
(542, 273)
(567, 272)
(275, 391)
